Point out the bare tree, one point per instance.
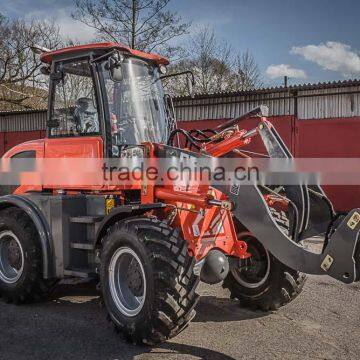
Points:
(210, 61)
(19, 65)
(141, 24)
(247, 75)
(215, 67)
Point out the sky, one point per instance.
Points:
(308, 40)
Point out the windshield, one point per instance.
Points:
(136, 104)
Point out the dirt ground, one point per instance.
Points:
(322, 323)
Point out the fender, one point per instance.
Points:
(41, 225)
(122, 212)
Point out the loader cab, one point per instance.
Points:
(103, 98)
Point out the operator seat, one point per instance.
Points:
(86, 116)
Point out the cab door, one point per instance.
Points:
(74, 133)
(74, 127)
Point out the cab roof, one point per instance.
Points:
(48, 57)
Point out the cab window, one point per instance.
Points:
(74, 109)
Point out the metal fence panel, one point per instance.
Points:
(309, 101)
(23, 121)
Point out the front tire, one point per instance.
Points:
(147, 280)
(264, 282)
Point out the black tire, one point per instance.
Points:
(277, 286)
(30, 286)
(170, 296)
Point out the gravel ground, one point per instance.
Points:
(322, 323)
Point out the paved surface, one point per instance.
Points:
(322, 323)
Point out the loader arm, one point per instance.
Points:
(314, 214)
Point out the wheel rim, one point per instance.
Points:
(127, 281)
(11, 257)
(256, 270)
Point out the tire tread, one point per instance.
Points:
(36, 288)
(175, 283)
(281, 291)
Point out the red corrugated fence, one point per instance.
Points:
(335, 137)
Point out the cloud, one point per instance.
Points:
(22, 8)
(281, 70)
(69, 28)
(332, 55)
(74, 29)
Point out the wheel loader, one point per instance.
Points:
(147, 244)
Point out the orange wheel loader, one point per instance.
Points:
(150, 244)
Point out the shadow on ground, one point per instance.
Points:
(217, 309)
(73, 325)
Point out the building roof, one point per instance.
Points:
(22, 98)
(47, 57)
(39, 102)
(290, 88)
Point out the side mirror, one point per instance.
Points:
(115, 68)
(57, 76)
(190, 86)
(45, 70)
(190, 80)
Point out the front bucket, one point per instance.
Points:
(338, 257)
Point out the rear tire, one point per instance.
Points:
(21, 275)
(266, 283)
(147, 280)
